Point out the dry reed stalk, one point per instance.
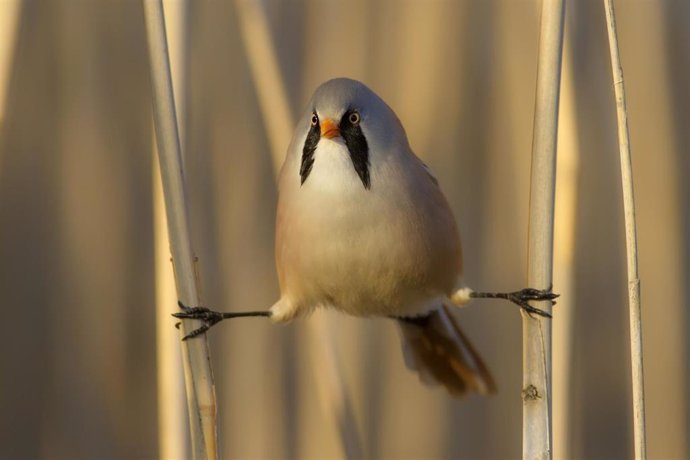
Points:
(279, 123)
(265, 70)
(9, 21)
(536, 392)
(172, 426)
(201, 398)
(630, 238)
(564, 258)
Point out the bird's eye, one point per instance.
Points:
(314, 119)
(354, 118)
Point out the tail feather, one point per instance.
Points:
(435, 347)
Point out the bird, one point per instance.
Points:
(363, 227)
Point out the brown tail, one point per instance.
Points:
(436, 348)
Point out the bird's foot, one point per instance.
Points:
(522, 298)
(208, 317)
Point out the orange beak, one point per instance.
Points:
(329, 129)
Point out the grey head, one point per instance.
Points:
(348, 111)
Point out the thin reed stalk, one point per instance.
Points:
(172, 428)
(564, 259)
(173, 441)
(536, 392)
(279, 123)
(268, 80)
(630, 238)
(201, 398)
(9, 21)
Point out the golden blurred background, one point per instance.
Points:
(77, 269)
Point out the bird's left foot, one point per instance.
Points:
(522, 298)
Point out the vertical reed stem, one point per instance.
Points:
(564, 259)
(173, 441)
(9, 29)
(630, 238)
(201, 398)
(536, 392)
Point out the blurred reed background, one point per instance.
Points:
(78, 376)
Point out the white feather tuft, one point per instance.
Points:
(462, 296)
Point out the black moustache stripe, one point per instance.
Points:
(308, 151)
(358, 147)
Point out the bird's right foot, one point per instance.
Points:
(209, 317)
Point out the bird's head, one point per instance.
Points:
(348, 113)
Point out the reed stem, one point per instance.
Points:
(536, 392)
(630, 238)
(201, 397)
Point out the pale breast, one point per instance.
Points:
(381, 251)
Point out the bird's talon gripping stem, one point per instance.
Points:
(208, 317)
(203, 314)
(521, 298)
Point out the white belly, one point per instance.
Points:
(382, 251)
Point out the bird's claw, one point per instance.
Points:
(203, 314)
(523, 296)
